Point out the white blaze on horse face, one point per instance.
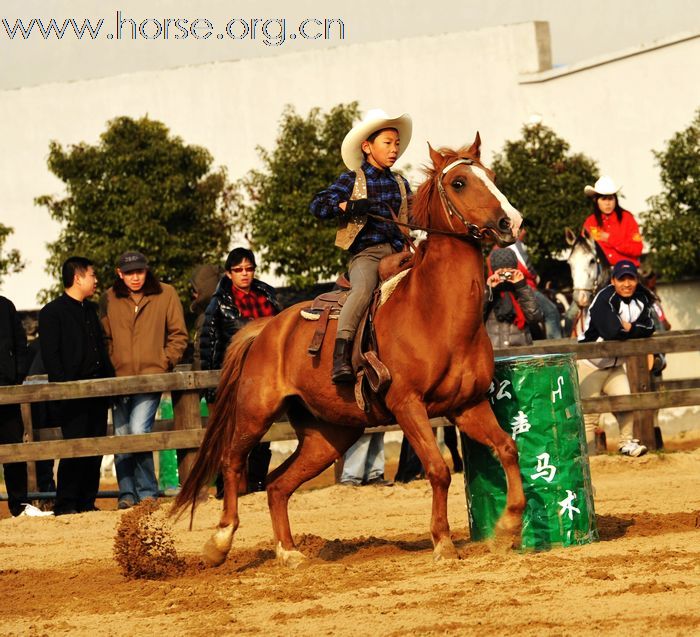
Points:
(515, 217)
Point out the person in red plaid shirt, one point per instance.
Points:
(238, 299)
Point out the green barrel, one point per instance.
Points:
(536, 400)
(168, 477)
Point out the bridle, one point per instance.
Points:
(599, 274)
(473, 231)
(578, 324)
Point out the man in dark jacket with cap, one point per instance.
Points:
(619, 311)
(13, 368)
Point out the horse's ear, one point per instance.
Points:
(586, 235)
(435, 156)
(570, 236)
(475, 148)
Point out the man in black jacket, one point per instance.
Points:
(619, 311)
(73, 348)
(13, 368)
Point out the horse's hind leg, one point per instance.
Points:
(319, 445)
(481, 425)
(413, 418)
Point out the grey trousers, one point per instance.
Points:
(363, 278)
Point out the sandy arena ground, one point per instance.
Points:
(371, 570)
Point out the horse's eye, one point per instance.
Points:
(457, 184)
(591, 262)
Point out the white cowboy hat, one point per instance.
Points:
(604, 186)
(375, 119)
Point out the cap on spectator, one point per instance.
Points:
(503, 258)
(624, 267)
(130, 261)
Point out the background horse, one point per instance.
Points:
(590, 271)
(432, 338)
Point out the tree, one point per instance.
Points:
(10, 261)
(672, 223)
(142, 189)
(545, 182)
(305, 160)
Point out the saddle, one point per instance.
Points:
(372, 375)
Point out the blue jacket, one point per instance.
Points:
(609, 309)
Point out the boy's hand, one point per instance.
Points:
(358, 206)
(354, 207)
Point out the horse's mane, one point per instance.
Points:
(424, 199)
(588, 243)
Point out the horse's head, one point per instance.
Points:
(460, 196)
(588, 266)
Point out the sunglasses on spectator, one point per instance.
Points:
(241, 269)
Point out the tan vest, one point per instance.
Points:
(349, 230)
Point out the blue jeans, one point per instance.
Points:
(552, 319)
(135, 471)
(364, 461)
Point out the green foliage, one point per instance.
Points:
(672, 223)
(545, 183)
(11, 261)
(305, 160)
(141, 189)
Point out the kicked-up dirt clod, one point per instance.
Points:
(144, 546)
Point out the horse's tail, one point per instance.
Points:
(221, 423)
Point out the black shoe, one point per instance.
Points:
(255, 487)
(342, 364)
(64, 511)
(379, 482)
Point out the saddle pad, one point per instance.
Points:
(389, 286)
(311, 314)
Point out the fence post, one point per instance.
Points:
(26, 409)
(186, 416)
(640, 381)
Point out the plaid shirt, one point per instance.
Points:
(252, 304)
(381, 189)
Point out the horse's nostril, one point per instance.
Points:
(504, 224)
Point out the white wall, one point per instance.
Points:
(451, 84)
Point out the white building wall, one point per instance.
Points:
(451, 84)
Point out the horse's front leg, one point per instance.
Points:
(480, 424)
(413, 418)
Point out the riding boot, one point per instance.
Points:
(342, 364)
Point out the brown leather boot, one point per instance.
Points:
(342, 364)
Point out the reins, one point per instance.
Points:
(449, 233)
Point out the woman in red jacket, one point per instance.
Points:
(612, 228)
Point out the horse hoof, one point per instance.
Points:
(290, 559)
(445, 551)
(217, 546)
(506, 538)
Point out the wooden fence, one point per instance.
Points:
(185, 388)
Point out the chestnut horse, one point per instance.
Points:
(432, 338)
